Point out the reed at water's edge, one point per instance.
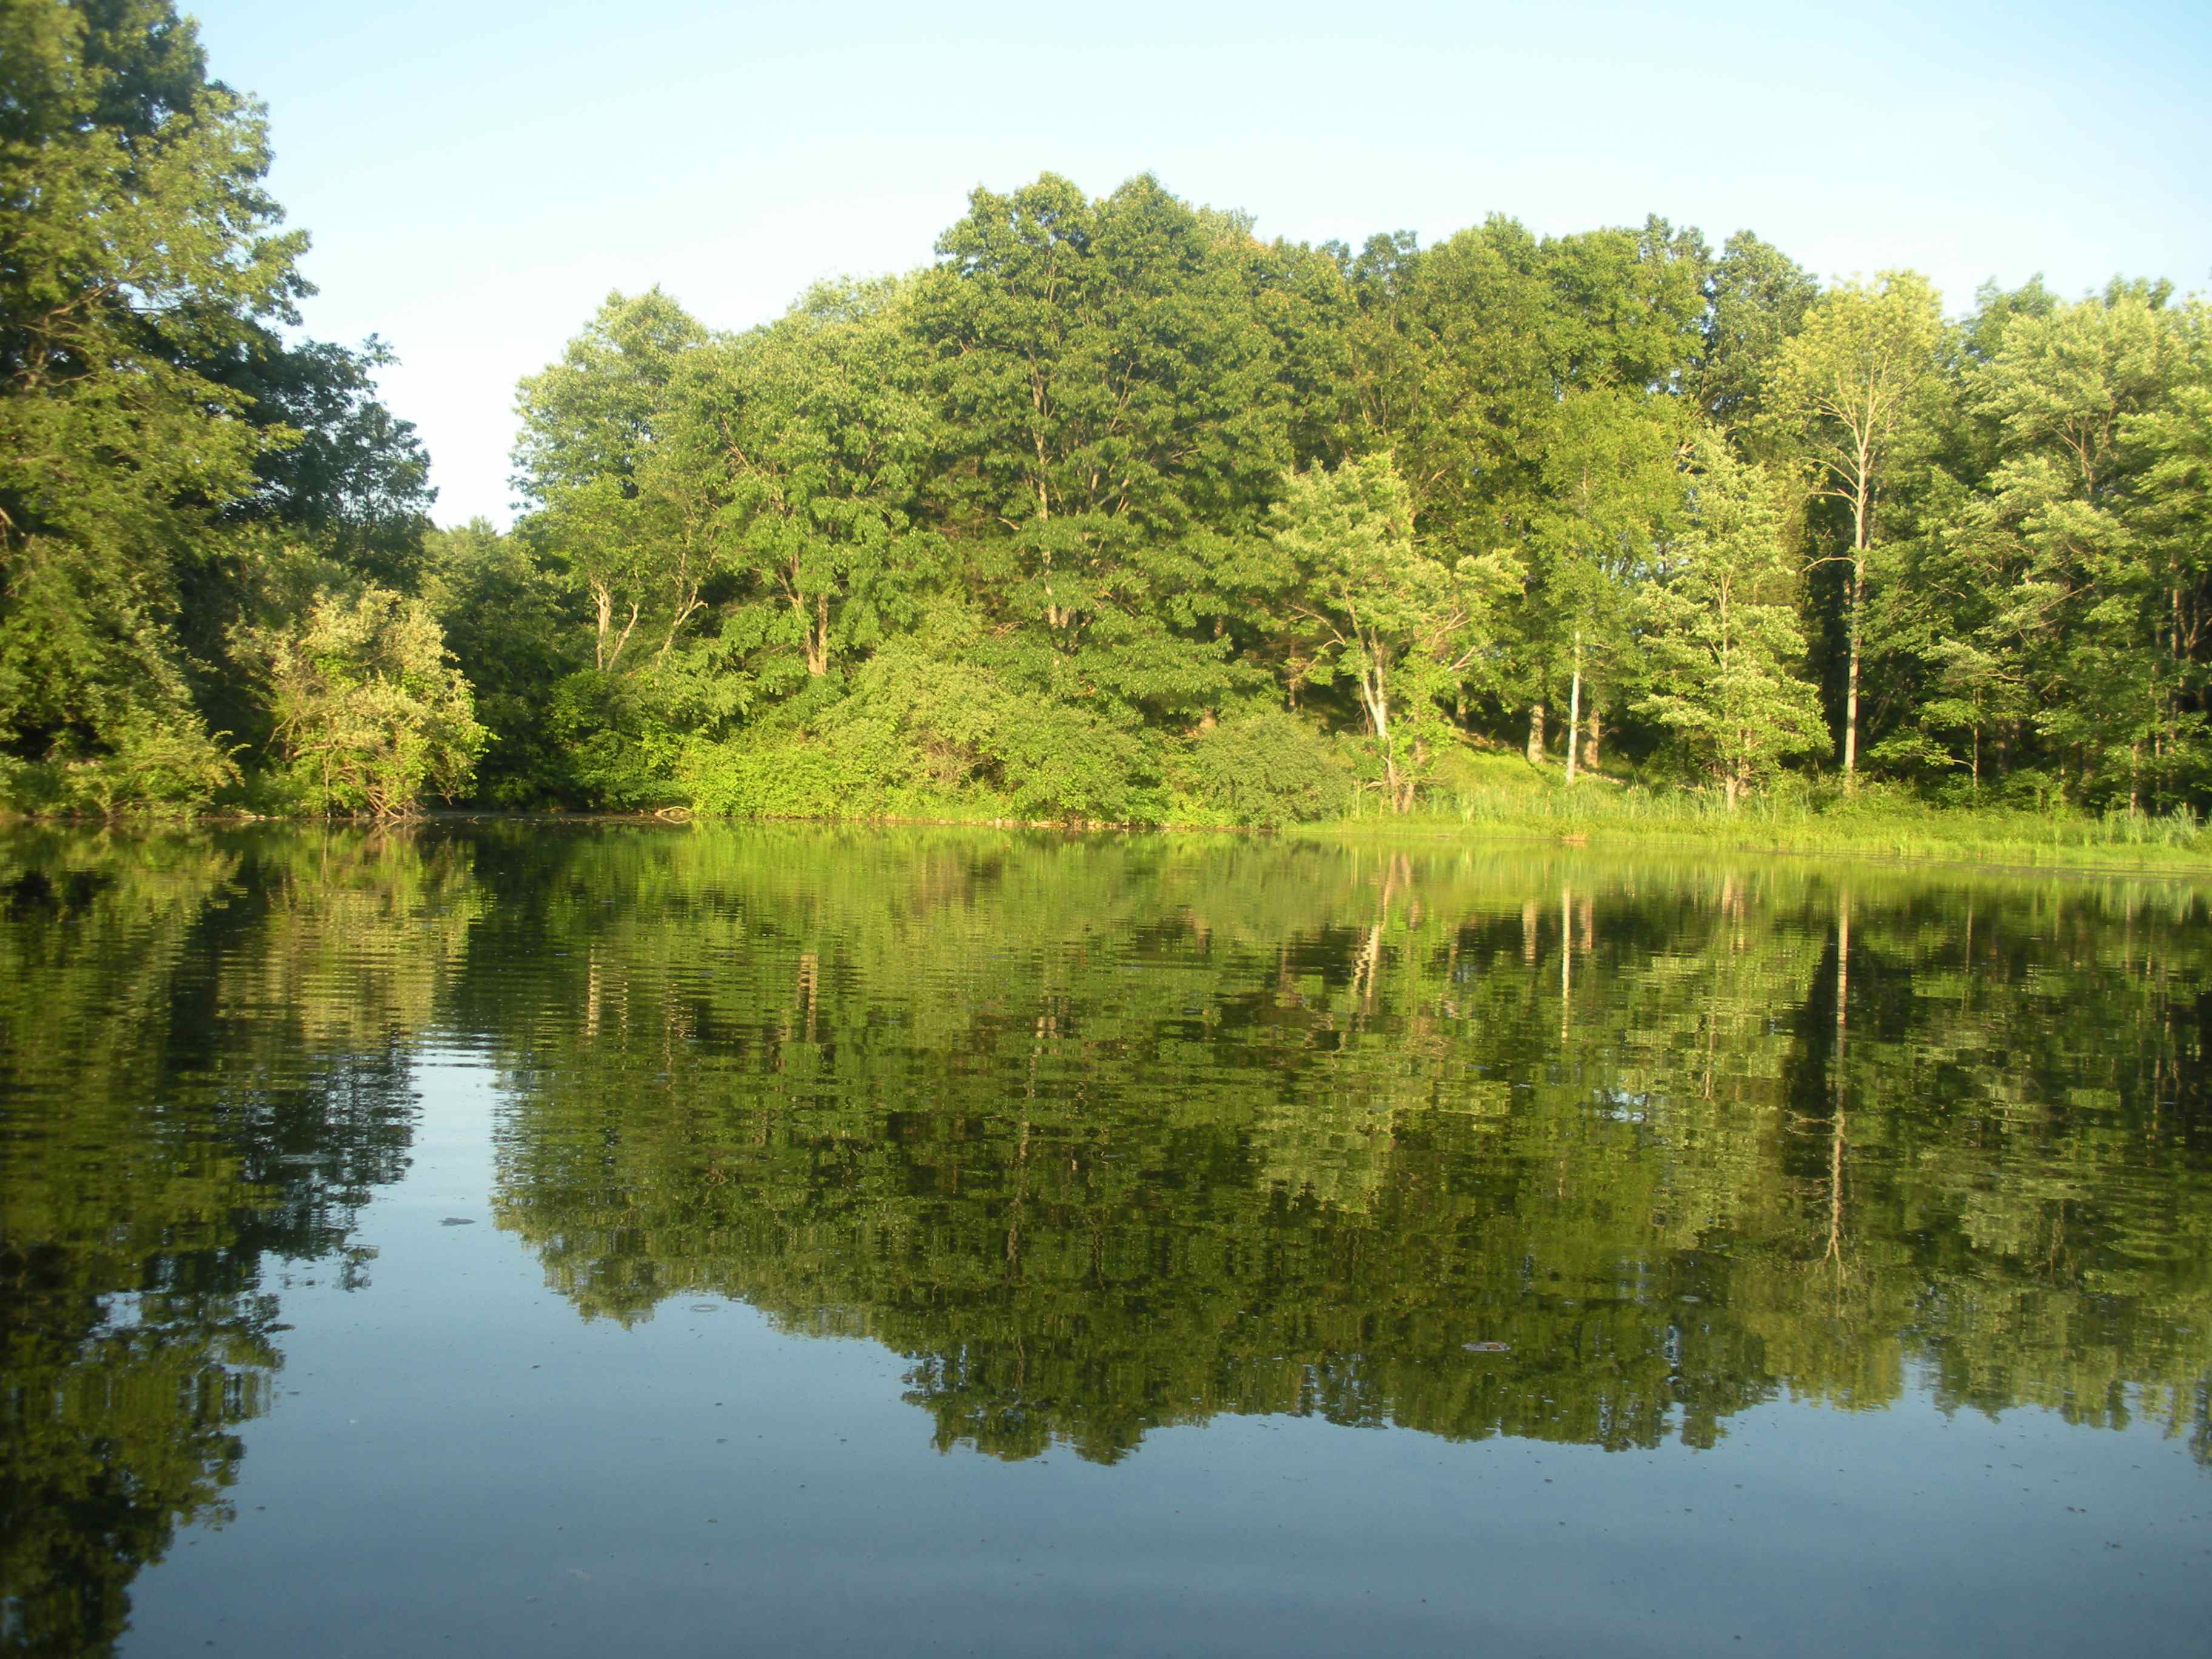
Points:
(1876, 825)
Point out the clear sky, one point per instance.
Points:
(478, 174)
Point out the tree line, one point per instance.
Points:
(1114, 511)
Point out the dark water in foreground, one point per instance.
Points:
(585, 1240)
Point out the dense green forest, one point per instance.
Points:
(1113, 511)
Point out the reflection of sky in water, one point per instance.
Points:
(702, 1482)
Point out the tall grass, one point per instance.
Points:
(1875, 823)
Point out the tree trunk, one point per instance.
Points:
(1590, 748)
(817, 638)
(1373, 693)
(608, 659)
(1575, 709)
(1536, 735)
(1851, 689)
(1862, 509)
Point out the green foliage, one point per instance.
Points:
(1723, 639)
(1106, 497)
(1759, 300)
(1069, 763)
(807, 437)
(617, 746)
(504, 616)
(920, 734)
(2091, 608)
(636, 553)
(1402, 627)
(1261, 768)
(789, 776)
(164, 456)
(139, 249)
(370, 715)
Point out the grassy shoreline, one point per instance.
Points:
(1600, 813)
(1879, 830)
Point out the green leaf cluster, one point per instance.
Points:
(176, 476)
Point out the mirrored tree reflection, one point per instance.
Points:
(1112, 1134)
(1101, 1134)
(203, 1071)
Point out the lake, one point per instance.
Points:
(574, 1238)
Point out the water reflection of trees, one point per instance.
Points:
(203, 1068)
(1101, 1134)
(1110, 1135)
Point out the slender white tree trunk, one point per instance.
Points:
(1575, 709)
(1855, 621)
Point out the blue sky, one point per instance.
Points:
(477, 176)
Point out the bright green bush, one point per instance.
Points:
(618, 748)
(370, 713)
(1261, 769)
(787, 775)
(1065, 763)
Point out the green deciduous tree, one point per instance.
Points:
(2085, 539)
(1609, 482)
(1850, 393)
(1759, 298)
(1402, 627)
(1104, 488)
(589, 426)
(1723, 637)
(138, 253)
(809, 435)
(509, 621)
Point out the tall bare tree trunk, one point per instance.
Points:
(1575, 709)
(1375, 696)
(1862, 509)
(1851, 690)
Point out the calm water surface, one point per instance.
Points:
(573, 1240)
